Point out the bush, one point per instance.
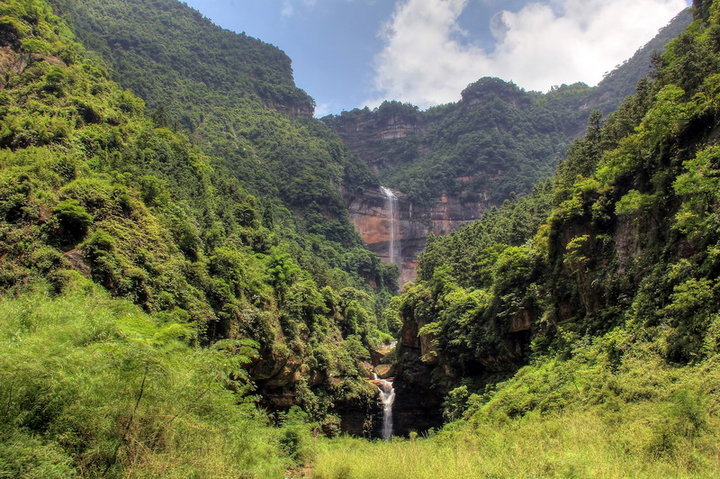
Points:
(93, 387)
(73, 220)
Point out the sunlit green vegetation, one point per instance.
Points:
(236, 97)
(624, 444)
(503, 138)
(625, 235)
(157, 288)
(94, 387)
(89, 183)
(616, 409)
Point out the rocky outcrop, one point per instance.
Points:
(359, 418)
(492, 113)
(366, 133)
(418, 404)
(370, 215)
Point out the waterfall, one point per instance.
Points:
(387, 398)
(391, 203)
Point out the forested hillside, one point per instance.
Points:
(182, 294)
(615, 237)
(140, 277)
(236, 97)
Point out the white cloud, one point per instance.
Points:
(544, 44)
(288, 6)
(287, 9)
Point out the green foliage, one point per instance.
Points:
(73, 219)
(498, 142)
(469, 249)
(93, 387)
(295, 437)
(236, 97)
(456, 403)
(699, 185)
(596, 294)
(616, 408)
(89, 183)
(633, 202)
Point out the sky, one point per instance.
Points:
(354, 53)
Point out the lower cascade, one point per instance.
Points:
(387, 398)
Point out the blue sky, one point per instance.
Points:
(352, 53)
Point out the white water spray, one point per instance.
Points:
(387, 398)
(391, 202)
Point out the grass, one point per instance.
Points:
(93, 387)
(574, 445)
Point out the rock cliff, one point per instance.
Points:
(370, 214)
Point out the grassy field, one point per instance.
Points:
(578, 445)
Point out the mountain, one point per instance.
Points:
(573, 331)
(139, 37)
(182, 299)
(235, 98)
(450, 164)
(233, 95)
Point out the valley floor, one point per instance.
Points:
(577, 418)
(579, 445)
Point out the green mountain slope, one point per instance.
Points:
(91, 186)
(620, 83)
(574, 332)
(140, 37)
(236, 97)
(156, 287)
(621, 243)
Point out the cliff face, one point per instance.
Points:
(425, 373)
(447, 165)
(370, 213)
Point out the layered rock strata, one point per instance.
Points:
(371, 216)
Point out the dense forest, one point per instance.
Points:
(577, 326)
(182, 294)
(143, 271)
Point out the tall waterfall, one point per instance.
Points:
(387, 398)
(391, 203)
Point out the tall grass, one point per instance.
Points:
(576, 445)
(581, 418)
(93, 387)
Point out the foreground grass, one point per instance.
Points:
(577, 445)
(91, 386)
(586, 417)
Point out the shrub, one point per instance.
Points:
(73, 220)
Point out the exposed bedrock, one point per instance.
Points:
(371, 216)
